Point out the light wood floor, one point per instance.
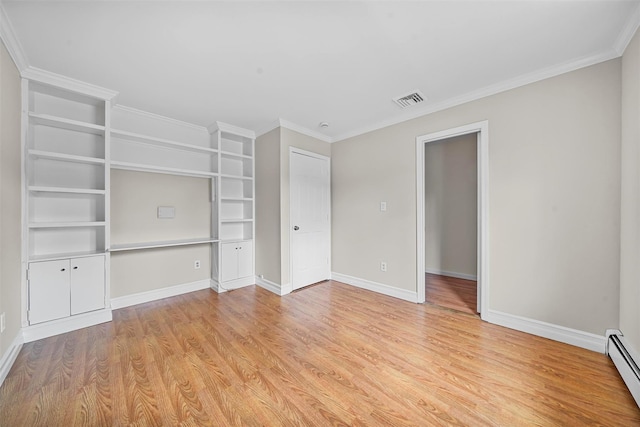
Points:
(330, 354)
(451, 292)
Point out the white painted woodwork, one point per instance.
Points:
(49, 290)
(310, 218)
(65, 287)
(236, 260)
(87, 284)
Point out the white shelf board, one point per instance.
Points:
(235, 155)
(163, 244)
(41, 189)
(62, 123)
(230, 220)
(236, 199)
(51, 257)
(65, 157)
(67, 224)
(136, 137)
(245, 178)
(159, 169)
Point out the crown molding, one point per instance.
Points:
(305, 131)
(47, 77)
(494, 89)
(11, 42)
(224, 127)
(627, 32)
(159, 117)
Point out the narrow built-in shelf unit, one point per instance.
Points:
(66, 200)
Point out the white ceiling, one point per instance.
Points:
(252, 63)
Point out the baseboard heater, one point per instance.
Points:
(624, 361)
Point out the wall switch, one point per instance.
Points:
(383, 206)
(196, 264)
(2, 323)
(383, 266)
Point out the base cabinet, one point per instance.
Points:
(236, 260)
(65, 287)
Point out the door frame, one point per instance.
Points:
(295, 150)
(482, 130)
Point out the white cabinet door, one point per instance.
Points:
(228, 261)
(245, 259)
(236, 260)
(49, 290)
(87, 284)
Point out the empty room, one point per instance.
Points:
(313, 213)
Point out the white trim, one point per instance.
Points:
(451, 274)
(272, 286)
(11, 42)
(562, 334)
(159, 117)
(58, 80)
(156, 294)
(380, 288)
(224, 127)
(68, 324)
(9, 357)
(627, 345)
(231, 285)
(494, 89)
(282, 123)
(627, 32)
(482, 129)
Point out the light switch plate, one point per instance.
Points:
(166, 212)
(383, 206)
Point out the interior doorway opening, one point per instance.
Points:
(439, 258)
(450, 191)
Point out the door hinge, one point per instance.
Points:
(28, 274)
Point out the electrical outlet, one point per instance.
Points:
(196, 264)
(2, 323)
(383, 266)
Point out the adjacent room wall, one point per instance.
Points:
(554, 199)
(135, 197)
(630, 210)
(267, 169)
(451, 187)
(10, 200)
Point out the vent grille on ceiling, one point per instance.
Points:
(413, 98)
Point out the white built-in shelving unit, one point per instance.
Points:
(70, 148)
(234, 258)
(66, 203)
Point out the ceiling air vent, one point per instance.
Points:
(413, 98)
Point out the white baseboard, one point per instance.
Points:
(231, 285)
(68, 324)
(570, 336)
(452, 274)
(10, 356)
(156, 294)
(380, 288)
(273, 287)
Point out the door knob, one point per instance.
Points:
(296, 228)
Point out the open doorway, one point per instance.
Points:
(451, 219)
(439, 264)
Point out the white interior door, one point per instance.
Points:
(310, 232)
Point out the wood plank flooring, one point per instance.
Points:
(329, 354)
(451, 292)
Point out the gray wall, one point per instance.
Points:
(451, 189)
(630, 211)
(10, 200)
(554, 198)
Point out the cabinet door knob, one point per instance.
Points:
(75, 268)
(296, 228)
(63, 269)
